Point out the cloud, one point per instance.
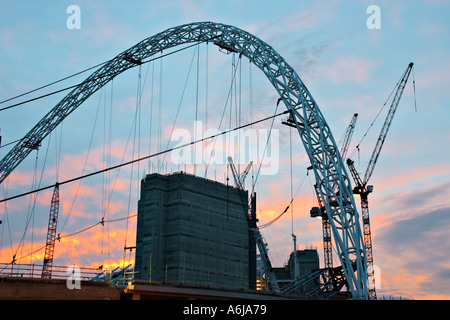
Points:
(350, 69)
(90, 248)
(413, 255)
(309, 56)
(413, 231)
(430, 197)
(432, 76)
(97, 246)
(415, 191)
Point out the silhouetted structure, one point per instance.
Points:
(192, 230)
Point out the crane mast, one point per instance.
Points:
(363, 191)
(319, 212)
(361, 188)
(51, 235)
(254, 230)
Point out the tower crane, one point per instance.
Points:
(254, 230)
(363, 189)
(51, 235)
(239, 182)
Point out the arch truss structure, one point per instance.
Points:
(329, 170)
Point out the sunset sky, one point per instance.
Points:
(347, 66)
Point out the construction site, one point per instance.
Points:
(198, 237)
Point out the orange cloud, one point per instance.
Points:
(99, 245)
(406, 178)
(407, 285)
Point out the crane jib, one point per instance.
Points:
(387, 123)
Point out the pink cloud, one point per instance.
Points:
(435, 78)
(350, 69)
(406, 178)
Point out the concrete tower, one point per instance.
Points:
(192, 230)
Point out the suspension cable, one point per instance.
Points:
(52, 83)
(85, 161)
(265, 148)
(230, 91)
(32, 202)
(5, 190)
(181, 101)
(145, 157)
(373, 122)
(287, 208)
(414, 88)
(196, 99)
(136, 128)
(59, 238)
(81, 83)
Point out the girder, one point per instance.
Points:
(329, 170)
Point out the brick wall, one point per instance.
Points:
(54, 289)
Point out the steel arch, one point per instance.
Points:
(329, 170)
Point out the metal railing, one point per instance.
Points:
(118, 277)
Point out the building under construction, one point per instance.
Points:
(193, 242)
(306, 260)
(192, 230)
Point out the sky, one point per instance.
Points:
(348, 66)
